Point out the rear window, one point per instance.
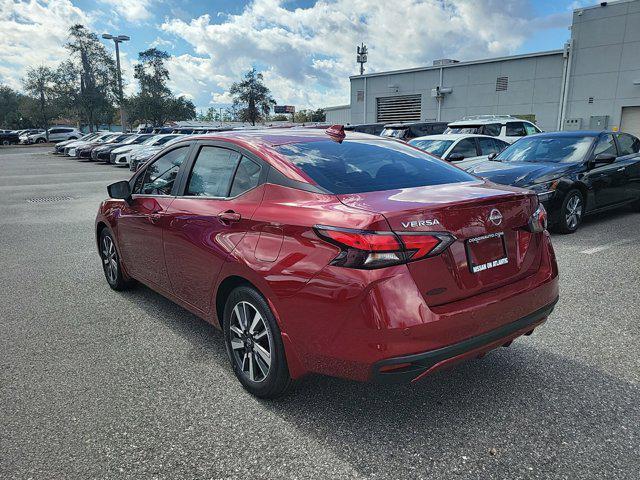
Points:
(359, 166)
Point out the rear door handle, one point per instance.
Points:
(229, 217)
(154, 217)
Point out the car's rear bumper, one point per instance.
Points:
(414, 367)
(364, 319)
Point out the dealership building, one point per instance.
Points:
(591, 83)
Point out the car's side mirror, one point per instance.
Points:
(455, 157)
(120, 190)
(602, 159)
(492, 155)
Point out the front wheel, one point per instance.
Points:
(40, 140)
(570, 216)
(111, 262)
(254, 344)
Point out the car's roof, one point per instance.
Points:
(277, 136)
(573, 133)
(484, 121)
(408, 124)
(451, 136)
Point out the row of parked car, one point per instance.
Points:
(38, 135)
(574, 173)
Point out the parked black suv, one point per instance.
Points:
(408, 130)
(370, 128)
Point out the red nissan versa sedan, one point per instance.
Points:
(354, 256)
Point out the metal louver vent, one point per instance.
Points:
(403, 108)
(59, 198)
(590, 100)
(502, 83)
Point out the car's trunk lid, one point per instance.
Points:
(486, 254)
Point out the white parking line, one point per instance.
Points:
(601, 248)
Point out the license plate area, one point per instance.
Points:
(487, 251)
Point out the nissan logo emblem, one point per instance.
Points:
(495, 216)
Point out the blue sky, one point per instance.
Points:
(305, 48)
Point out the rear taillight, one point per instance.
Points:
(368, 249)
(538, 221)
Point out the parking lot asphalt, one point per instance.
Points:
(100, 384)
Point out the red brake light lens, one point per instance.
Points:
(369, 241)
(367, 249)
(538, 221)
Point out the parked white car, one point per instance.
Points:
(505, 127)
(459, 146)
(56, 134)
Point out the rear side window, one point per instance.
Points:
(516, 129)
(358, 166)
(212, 172)
(628, 144)
(247, 177)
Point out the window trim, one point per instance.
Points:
(243, 152)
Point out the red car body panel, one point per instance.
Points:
(335, 320)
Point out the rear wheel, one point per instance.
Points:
(6, 142)
(254, 344)
(570, 216)
(111, 262)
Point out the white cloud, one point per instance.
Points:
(308, 53)
(33, 33)
(131, 10)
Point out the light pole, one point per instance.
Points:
(118, 40)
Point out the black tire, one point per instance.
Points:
(569, 217)
(247, 360)
(41, 140)
(111, 264)
(6, 142)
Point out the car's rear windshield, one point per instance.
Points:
(358, 166)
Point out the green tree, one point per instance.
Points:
(9, 107)
(97, 74)
(39, 83)
(155, 103)
(306, 116)
(251, 97)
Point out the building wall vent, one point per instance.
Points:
(590, 100)
(401, 108)
(502, 83)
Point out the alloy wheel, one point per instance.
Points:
(251, 341)
(109, 259)
(574, 212)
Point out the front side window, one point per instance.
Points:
(516, 129)
(158, 178)
(465, 147)
(465, 129)
(394, 132)
(358, 166)
(212, 172)
(489, 146)
(606, 145)
(531, 129)
(492, 129)
(628, 144)
(434, 147)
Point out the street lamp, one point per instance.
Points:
(117, 40)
